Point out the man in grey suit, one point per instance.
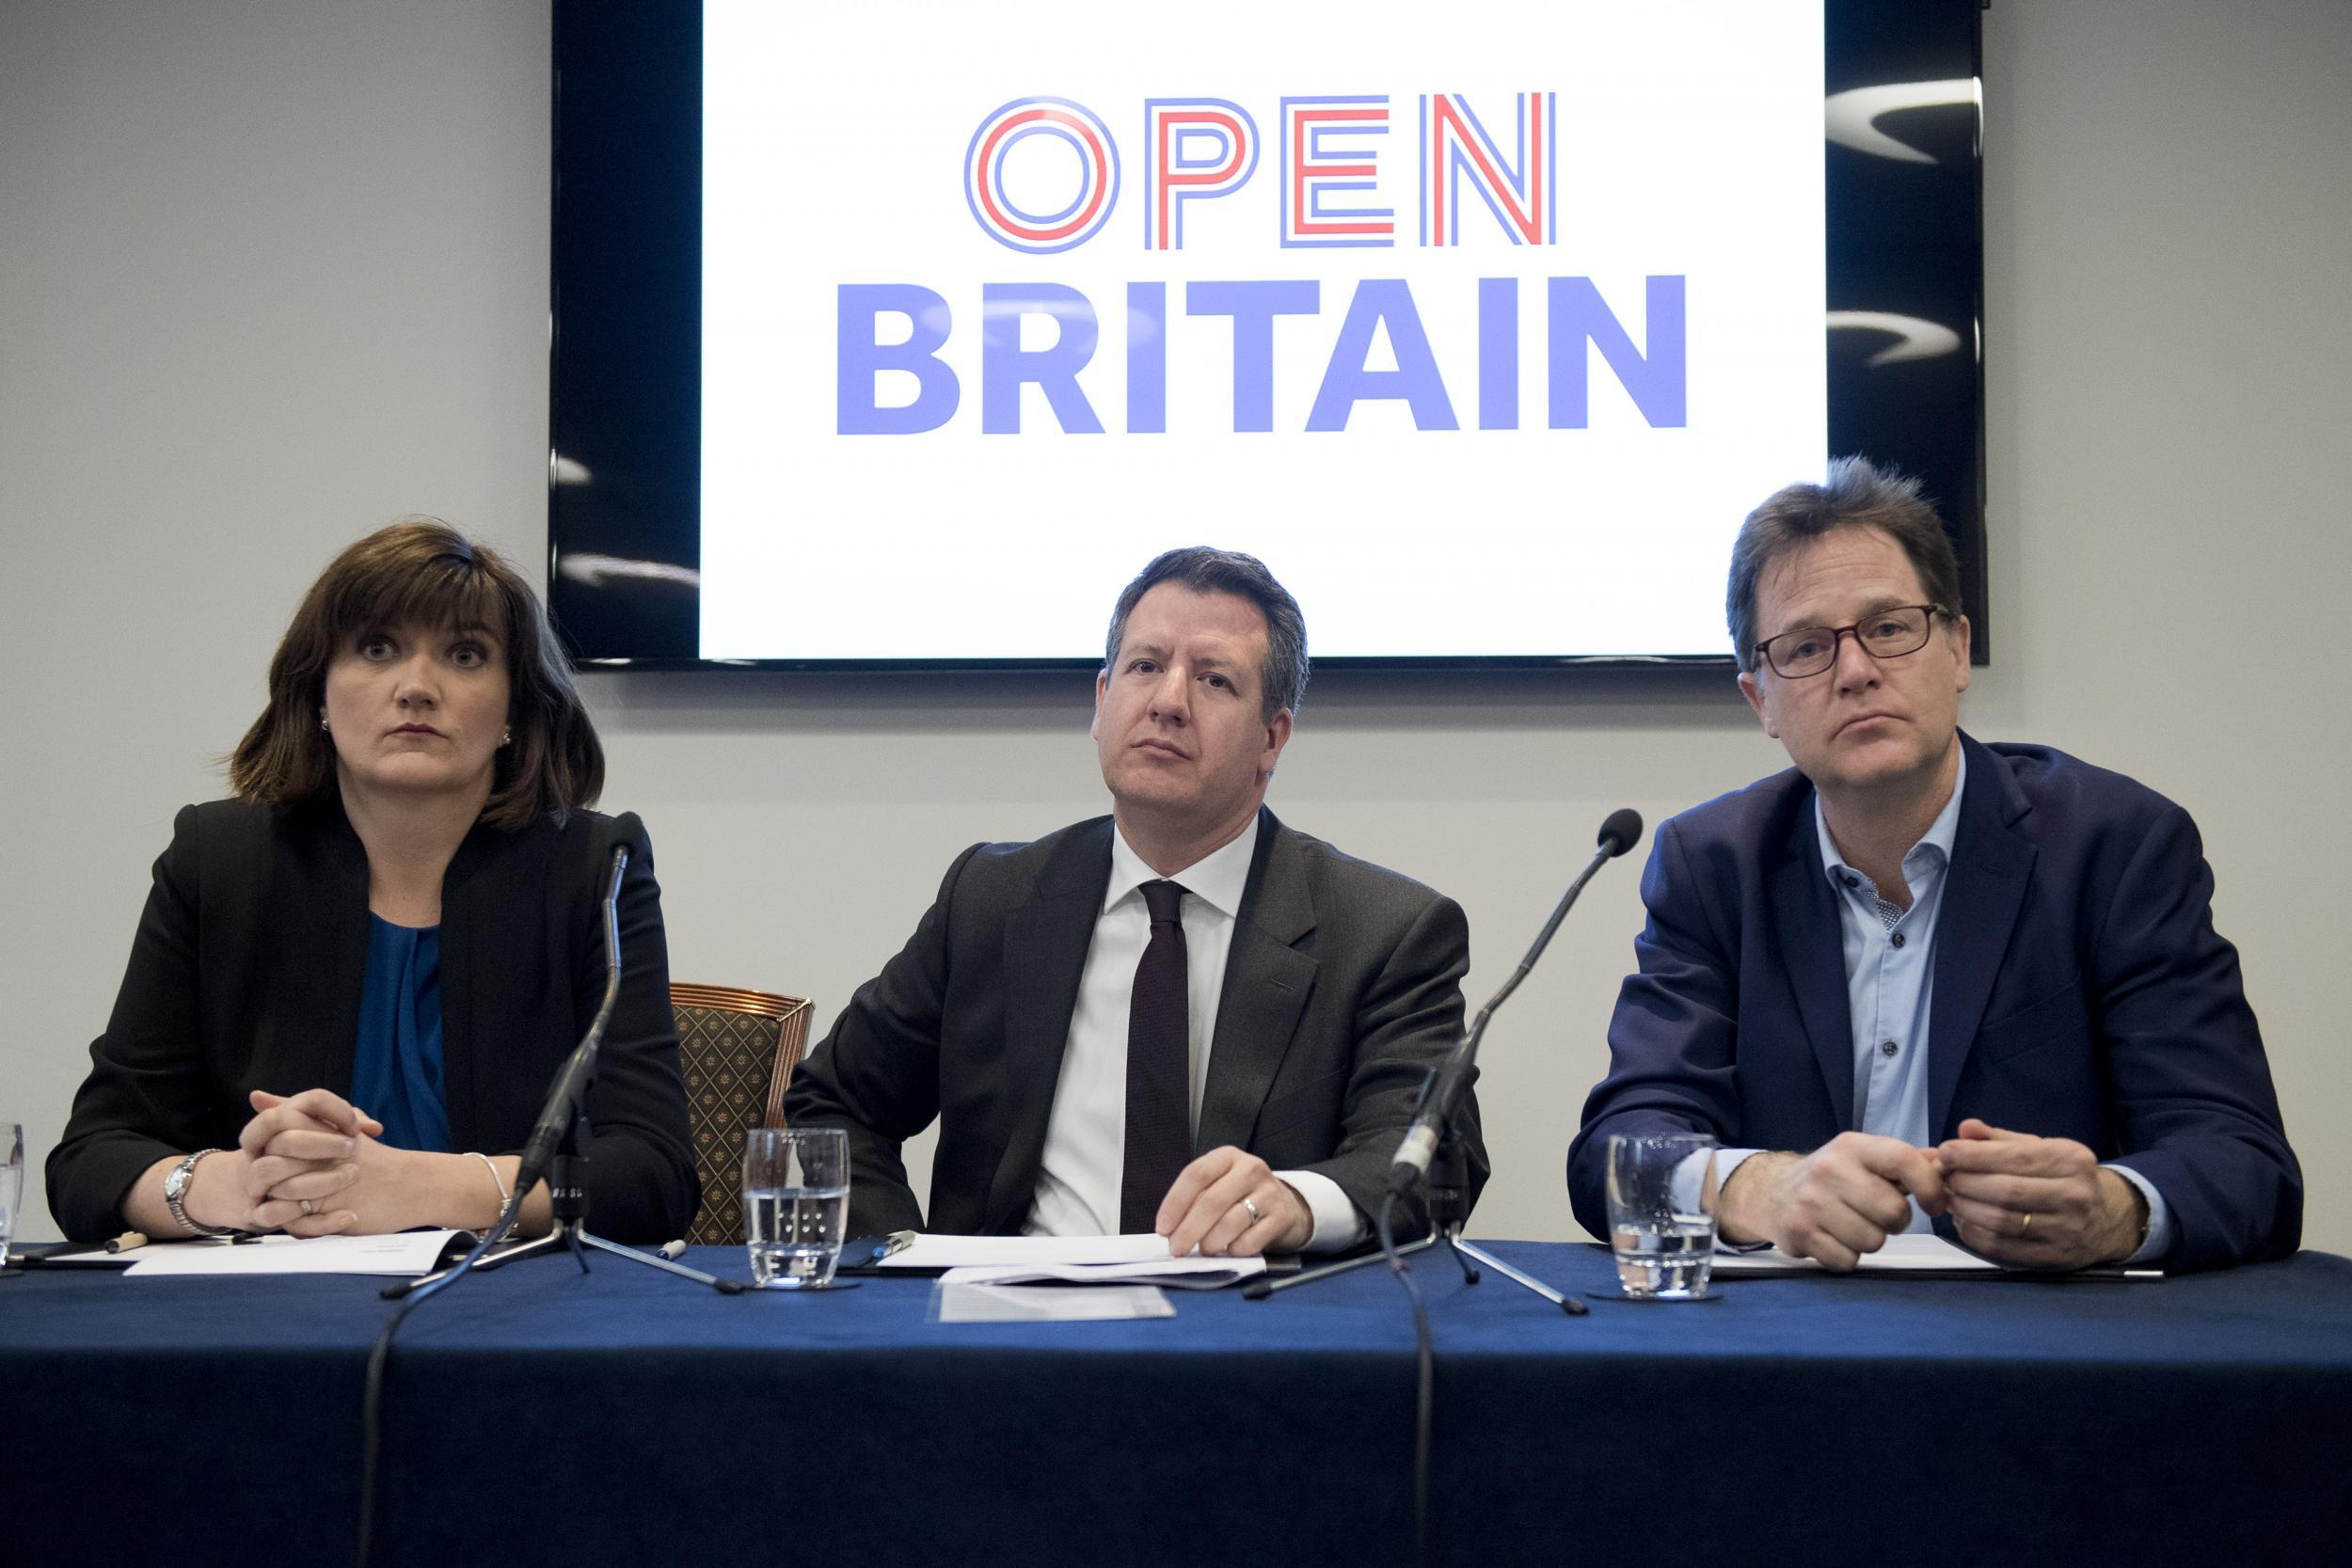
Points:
(1184, 1017)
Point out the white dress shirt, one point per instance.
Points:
(1085, 1131)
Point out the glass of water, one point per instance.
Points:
(1662, 1213)
(796, 1196)
(11, 1182)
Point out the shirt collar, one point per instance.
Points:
(1217, 877)
(1939, 836)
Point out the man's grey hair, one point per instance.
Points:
(1856, 494)
(1205, 570)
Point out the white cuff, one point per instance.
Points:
(2159, 1239)
(1688, 1175)
(1338, 1224)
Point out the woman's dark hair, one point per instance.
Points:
(421, 572)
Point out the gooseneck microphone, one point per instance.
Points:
(1620, 832)
(569, 1093)
(564, 1103)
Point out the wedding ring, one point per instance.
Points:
(308, 1206)
(2024, 1225)
(1254, 1215)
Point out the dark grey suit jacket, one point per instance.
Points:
(1342, 987)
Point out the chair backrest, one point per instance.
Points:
(737, 1049)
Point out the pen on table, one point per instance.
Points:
(867, 1252)
(125, 1242)
(672, 1250)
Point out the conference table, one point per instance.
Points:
(540, 1415)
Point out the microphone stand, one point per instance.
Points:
(567, 1193)
(1431, 1152)
(559, 1146)
(1448, 1183)
(1449, 1212)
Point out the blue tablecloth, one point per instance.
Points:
(538, 1415)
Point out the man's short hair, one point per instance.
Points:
(1856, 494)
(1206, 570)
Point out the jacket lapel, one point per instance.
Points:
(1983, 891)
(1045, 944)
(1813, 955)
(348, 932)
(462, 922)
(1267, 981)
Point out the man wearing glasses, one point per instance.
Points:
(1919, 978)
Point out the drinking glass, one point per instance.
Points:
(796, 1198)
(11, 1182)
(1662, 1213)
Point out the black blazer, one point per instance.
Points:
(2081, 992)
(247, 971)
(1342, 987)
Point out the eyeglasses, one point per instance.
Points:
(1882, 634)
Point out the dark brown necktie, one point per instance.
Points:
(1159, 1066)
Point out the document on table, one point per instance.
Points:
(1181, 1274)
(956, 1252)
(952, 1302)
(1911, 1252)
(410, 1252)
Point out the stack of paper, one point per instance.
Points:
(410, 1252)
(1911, 1252)
(1069, 1260)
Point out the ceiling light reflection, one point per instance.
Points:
(1916, 337)
(1853, 115)
(597, 570)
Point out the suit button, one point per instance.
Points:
(1897, 939)
(1887, 1048)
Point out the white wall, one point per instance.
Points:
(272, 272)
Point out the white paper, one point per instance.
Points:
(410, 1252)
(956, 1252)
(1910, 1252)
(957, 1303)
(1184, 1274)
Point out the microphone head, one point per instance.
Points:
(1622, 831)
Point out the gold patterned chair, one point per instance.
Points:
(737, 1049)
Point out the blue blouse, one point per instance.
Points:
(397, 1071)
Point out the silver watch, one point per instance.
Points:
(175, 1190)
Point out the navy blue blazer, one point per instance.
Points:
(2081, 992)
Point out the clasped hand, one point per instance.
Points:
(297, 1167)
(2028, 1201)
(2037, 1203)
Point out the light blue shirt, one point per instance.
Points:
(1890, 979)
(1890, 985)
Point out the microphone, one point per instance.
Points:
(570, 1090)
(1450, 1078)
(1621, 832)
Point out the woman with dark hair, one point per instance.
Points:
(352, 982)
